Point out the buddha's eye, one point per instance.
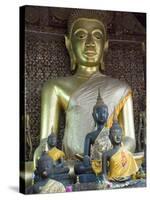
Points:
(98, 35)
(81, 34)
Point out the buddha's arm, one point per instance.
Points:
(104, 164)
(50, 110)
(87, 144)
(128, 123)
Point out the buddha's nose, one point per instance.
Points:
(89, 41)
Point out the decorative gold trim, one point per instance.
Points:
(118, 108)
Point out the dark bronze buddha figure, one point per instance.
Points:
(44, 182)
(122, 164)
(56, 155)
(54, 158)
(100, 116)
(84, 169)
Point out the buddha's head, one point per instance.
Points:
(52, 140)
(115, 134)
(100, 111)
(86, 38)
(44, 165)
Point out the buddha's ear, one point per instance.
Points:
(94, 117)
(106, 45)
(67, 42)
(70, 51)
(105, 50)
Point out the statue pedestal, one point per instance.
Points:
(87, 178)
(65, 179)
(98, 186)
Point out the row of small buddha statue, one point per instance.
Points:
(122, 165)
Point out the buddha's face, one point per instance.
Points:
(46, 168)
(52, 140)
(45, 165)
(116, 135)
(87, 39)
(101, 114)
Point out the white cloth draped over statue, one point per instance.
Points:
(79, 120)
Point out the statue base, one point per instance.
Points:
(87, 178)
(65, 179)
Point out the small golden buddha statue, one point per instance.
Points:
(86, 42)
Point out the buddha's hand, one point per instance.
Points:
(59, 163)
(39, 150)
(86, 160)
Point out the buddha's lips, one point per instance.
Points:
(90, 52)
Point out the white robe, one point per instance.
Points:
(79, 120)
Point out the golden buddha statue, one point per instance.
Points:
(86, 42)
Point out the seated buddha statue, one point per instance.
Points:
(57, 170)
(118, 164)
(56, 155)
(87, 169)
(43, 183)
(86, 41)
(100, 116)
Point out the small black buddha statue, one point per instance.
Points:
(100, 116)
(61, 171)
(56, 154)
(84, 168)
(57, 169)
(43, 183)
(122, 164)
